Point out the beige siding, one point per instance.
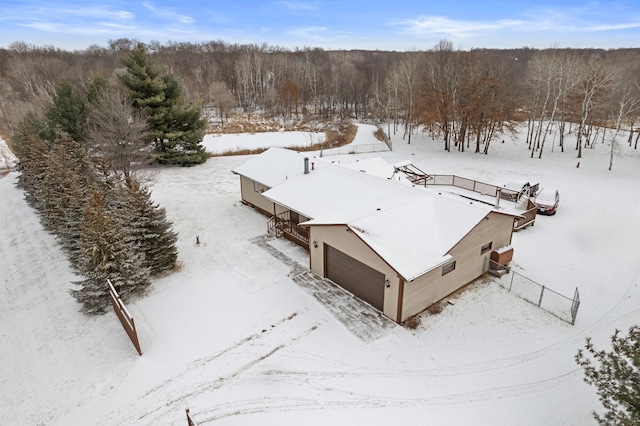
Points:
(249, 195)
(470, 264)
(339, 237)
(421, 293)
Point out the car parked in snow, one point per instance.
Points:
(547, 201)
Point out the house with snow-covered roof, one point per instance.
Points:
(397, 246)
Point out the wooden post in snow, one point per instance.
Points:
(124, 316)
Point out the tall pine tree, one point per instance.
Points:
(34, 158)
(152, 229)
(68, 113)
(106, 252)
(182, 129)
(177, 126)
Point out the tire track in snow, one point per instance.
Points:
(208, 375)
(335, 398)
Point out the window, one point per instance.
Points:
(258, 187)
(485, 248)
(448, 268)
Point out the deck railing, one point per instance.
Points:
(528, 216)
(282, 225)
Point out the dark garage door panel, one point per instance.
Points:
(356, 277)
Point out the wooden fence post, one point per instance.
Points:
(190, 421)
(124, 316)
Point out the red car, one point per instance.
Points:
(547, 201)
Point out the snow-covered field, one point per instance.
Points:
(233, 337)
(217, 144)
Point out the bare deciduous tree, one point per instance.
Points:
(625, 101)
(120, 132)
(221, 99)
(594, 85)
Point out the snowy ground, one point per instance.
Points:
(217, 143)
(7, 159)
(233, 337)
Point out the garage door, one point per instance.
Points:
(360, 279)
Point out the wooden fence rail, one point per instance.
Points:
(190, 421)
(124, 316)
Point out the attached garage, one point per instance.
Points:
(362, 280)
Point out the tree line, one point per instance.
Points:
(466, 98)
(79, 162)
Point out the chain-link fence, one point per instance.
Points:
(564, 307)
(356, 149)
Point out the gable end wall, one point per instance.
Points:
(470, 264)
(251, 197)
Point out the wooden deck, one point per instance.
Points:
(419, 177)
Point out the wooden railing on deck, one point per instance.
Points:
(281, 224)
(529, 216)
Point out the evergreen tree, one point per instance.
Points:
(33, 155)
(144, 82)
(98, 84)
(177, 127)
(68, 113)
(106, 253)
(153, 230)
(181, 132)
(72, 179)
(616, 375)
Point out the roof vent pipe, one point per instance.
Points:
(306, 166)
(498, 193)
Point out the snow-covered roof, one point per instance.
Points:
(338, 194)
(377, 166)
(274, 166)
(373, 166)
(414, 238)
(412, 228)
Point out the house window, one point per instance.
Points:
(485, 248)
(448, 267)
(259, 187)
